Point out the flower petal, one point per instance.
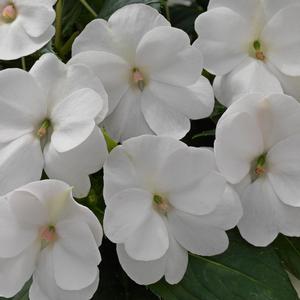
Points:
(195, 236)
(21, 161)
(283, 49)
(71, 168)
(248, 77)
(150, 240)
(75, 256)
(125, 212)
(284, 170)
(22, 103)
(224, 44)
(142, 272)
(162, 118)
(238, 142)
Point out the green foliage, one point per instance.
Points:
(243, 272)
(289, 251)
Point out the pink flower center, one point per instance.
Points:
(161, 204)
(48, 234)
(138, 78)
(9, 13)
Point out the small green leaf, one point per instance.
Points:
(243, 272)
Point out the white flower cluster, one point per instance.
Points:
(140, 79)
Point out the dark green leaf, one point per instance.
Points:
(110, 6)
(289, 251)
(204, 134)
(242, 273)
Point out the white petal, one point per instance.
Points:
(259, 224)
(21, 161)
(148, 154)
(162, 118)
(58, 81)
(16, 271)
(272, 7)
(127, 120)
(195, 101)
(96, 36)
(113, 71)
(74, 119)
(177, 63)
(284, 170)
(35, 19)
(71, 168)
(283, 49)
(22, 104)
(44, 286)
(177, 261)
(119, 173)
(195, 236)
(189, 181)
(15, 237)
(18, 43)
(132, 22)
(238, 142)
(75, 256)
(125, 212)
(27, 208)
(150, 241)
(223, 39)
(250, 76)
(142, 272)
(227, 213)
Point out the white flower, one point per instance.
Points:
(48, 121)
(164, 198)
(257, 147)
(150, 71)
(45, 233)
(252, 46)
(25, 26)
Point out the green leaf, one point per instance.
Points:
(243, 272)
(289, 251)
(110, 6)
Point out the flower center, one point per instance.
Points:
(259, 54)
(43, 130)
(138, 79)
(161, 204)
(9, 13)
(260, 167)
(48, 235)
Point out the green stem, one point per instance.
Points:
(167, 9)
(23, 63)
(89, 8)
(66, 48)
(58, 25)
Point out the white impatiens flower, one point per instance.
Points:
(257, 147)
(25, 26)
(252, 46)
(164, 199)
(46, 235)
(149, 70)
(48, 121)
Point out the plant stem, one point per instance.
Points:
(68, 45)
(167, 9)
(89, 8)
(58, 25)
(23, 63)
